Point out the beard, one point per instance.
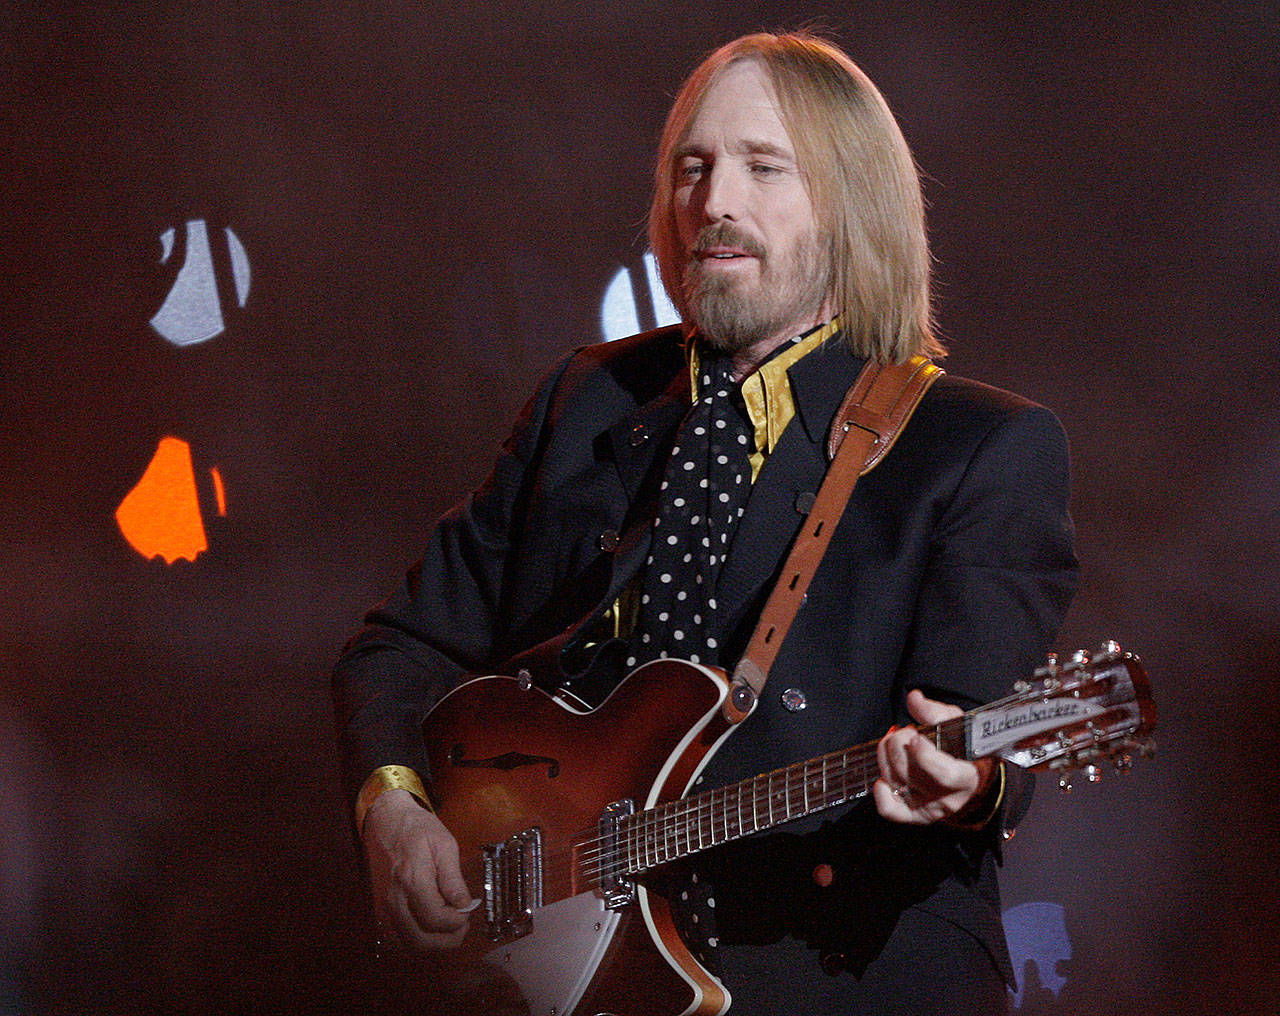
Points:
(734, 314)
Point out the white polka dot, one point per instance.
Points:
(720, 424)
(724, 498)
(665, 577)
(722, 459)
(673, 539)
(693, 658)
(697, 619)
(722, 393)
(703, 484)
(645, 638)
(684, 895)
(664, 616)
(695, 519)
(711, 902)
(682, 595)
(631, 661)
(662, 655)
(742, 439)
(699, 430)
(706, 542)
(688, 465)
(677, 635)
(712, 603)
(713, 941)
(711, 643)
(678, 502)
(711, 560)
(645, 597)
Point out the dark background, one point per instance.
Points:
(433, 201)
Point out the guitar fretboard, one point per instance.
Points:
(683, 827)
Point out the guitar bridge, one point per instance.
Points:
(512, 884)
(615, 888)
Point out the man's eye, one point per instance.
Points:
(764, 169)
(692, 171)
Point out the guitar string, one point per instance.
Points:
(799, 777)
(659, 830)
(681, 827)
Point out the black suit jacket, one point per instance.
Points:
(950, 571)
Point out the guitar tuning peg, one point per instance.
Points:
(1021, 687)
(1123, 764)
(1147, 748)
(1078, 659)
(1110, 650)
(1064, 783)
(1093, 773)
(1049, 668)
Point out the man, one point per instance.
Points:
(643, 507)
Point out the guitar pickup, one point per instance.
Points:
(615, 888)
(512, 884)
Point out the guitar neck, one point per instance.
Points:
(681, 828)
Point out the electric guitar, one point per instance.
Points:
(559, 812)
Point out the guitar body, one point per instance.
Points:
(507, 759)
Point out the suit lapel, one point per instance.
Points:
(793, 472)
(641, 444)
(637, 439)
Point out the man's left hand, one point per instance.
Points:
(919, 783)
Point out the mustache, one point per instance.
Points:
(725, 234)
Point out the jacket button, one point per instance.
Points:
(608, 541)
(804, 502)
(639, 435)
(833, 963)
(793, 700)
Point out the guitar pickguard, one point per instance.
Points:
(555, 962)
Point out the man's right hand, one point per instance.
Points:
(419, 896)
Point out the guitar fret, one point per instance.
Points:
(676, 822)
(683, 827)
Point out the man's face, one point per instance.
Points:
(756, 273)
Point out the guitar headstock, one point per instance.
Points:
(1071, 716)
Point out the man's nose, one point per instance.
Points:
(724, 195)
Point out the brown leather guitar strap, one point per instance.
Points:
(869, 421)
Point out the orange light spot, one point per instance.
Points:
(160, 517)
(219, 491)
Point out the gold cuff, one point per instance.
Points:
(389, 778)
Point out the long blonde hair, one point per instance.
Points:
(862, 182)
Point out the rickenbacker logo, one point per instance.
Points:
(994, 729)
